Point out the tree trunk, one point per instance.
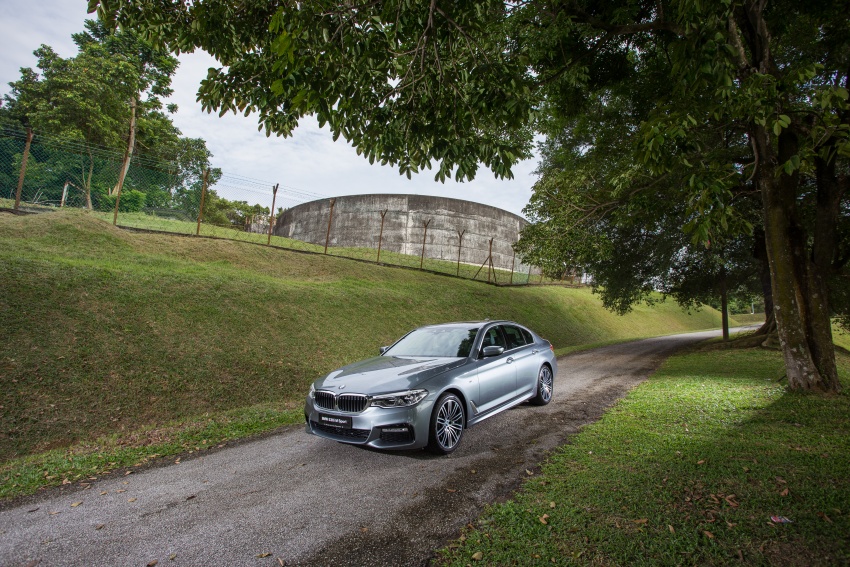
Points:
(799, 292)
(760, 254)
(724, 304)
(87, 181)
(799, 317)
(128, 153)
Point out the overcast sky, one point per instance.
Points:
(309, 161)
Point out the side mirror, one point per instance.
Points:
(384, 349)
(492, 351)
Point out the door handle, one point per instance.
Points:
(510, 359)
(535, 351)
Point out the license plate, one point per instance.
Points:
(341, 421)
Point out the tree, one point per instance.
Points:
(152, 78)
(457, 83)
(104, 100)
(81, 99)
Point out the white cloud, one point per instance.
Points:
(309, 161)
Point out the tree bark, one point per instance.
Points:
(799, 317)
(128, 153)
(799, 292)
(760, 254)
(87, 182)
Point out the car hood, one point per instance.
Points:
(384, 374)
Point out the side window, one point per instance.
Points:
(514, 337)
(528, 338)
(493, 338)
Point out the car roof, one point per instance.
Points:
(467, 323)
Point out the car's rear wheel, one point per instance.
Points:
(545, 386)
(447, 421)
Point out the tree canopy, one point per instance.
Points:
(717, 99)
(107, 98)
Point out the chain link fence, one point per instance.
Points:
(41, 174)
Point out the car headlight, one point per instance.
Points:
(399, 399)
(312, 393)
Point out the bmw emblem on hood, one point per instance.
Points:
(341, 386)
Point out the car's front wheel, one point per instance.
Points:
(447, 422)
(545, 386)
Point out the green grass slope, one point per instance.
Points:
(107, 332)
(712, 461)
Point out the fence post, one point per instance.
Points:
(271, 216)
(490, 267)
(460, 234)
(118, 198)
(513, 259)
(424, 235)
(203, 197)
(330, 218)
(381, 235)
(23, 173)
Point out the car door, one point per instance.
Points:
(496, 374)
(523, 357)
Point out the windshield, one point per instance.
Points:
(436, 341)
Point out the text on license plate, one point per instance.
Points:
(335, 420)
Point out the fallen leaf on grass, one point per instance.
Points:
(701, 462)
(543, 519)
(708, 534)
(641, 521)
(731, 501)
(825, 517)
(528, 472)
(477, 556)
(784, 492)
(551, 504)
(672, 530)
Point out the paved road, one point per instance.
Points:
(302, 500)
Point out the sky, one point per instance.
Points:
(309, 162)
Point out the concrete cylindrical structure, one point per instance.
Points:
(356, 222)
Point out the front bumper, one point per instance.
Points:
(381, 428)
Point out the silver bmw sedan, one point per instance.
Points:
(431, 385)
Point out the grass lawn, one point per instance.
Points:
(709, 462)
(116, 346)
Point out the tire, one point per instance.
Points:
(447, 423)
(545, 386)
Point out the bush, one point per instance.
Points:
(132, 201)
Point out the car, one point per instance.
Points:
(431, 385)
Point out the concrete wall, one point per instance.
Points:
(357, 223)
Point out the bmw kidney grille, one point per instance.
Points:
(349, 403)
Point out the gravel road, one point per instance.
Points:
(303, 500)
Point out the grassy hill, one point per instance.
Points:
(113, 338)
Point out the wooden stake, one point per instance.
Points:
(330, 218)
(422, 259)
(23, 169)
(203, 197)
(271, 217)
(381, 235)
(460, 234)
